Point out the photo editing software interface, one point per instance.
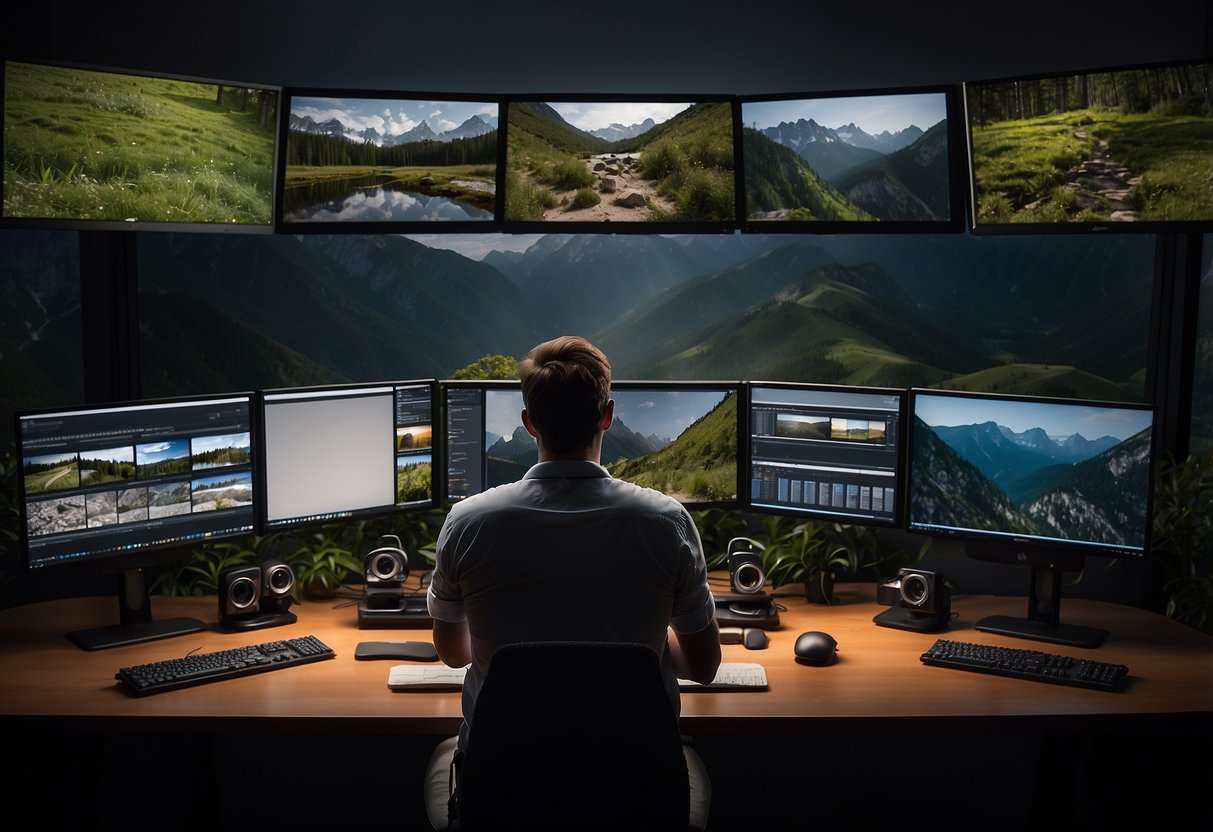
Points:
(339, 452)
(115, 480)
(826, 452)
(680, 438)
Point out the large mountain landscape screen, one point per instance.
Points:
(848, 159)
(1060, 472)
(371, 159)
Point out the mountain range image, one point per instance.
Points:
(615, 132)
(476, 125)
(804, 171)
(1067, 316)
(985, 476)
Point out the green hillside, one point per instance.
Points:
(1040, 380)
(699, 466)
(832, 325)
(779, 185)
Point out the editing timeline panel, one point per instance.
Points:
(826, 452)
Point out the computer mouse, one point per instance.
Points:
(815, 648)
(754, 638)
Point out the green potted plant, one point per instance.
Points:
(1183, 539)
(808, 552)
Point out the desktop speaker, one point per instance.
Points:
(239, 592)
(745, 567)
(251, 597)
(278, 586)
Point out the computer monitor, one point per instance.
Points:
(620, 163)
(826, 452)
(90, 148)
(374, 162)
(678, 437)
(1035, 481)
(1119, 149)
(120, 487)
(878, 161)
(345, 451)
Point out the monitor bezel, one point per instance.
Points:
(899, 477)
(284, 226)
(266, 526)
(155, 554)
(725, 226)
(82, 224)
(957, 169)
(1029, 228)
(1023, 549)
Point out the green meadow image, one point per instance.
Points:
(94, 145)
(1126, 146)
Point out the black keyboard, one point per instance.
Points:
(1026, 664)
(201, 668)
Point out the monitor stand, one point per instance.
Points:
(1041, 623)
(135, 617)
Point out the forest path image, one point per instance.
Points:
(625, 195)
(1098, 183)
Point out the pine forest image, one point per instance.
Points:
(619, 162)
(91, 145)
(847, 159)
(390, 160)
(1125, 146)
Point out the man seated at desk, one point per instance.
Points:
(568, 553)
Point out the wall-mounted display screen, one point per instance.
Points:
(620, 164)
(370, 161)
(1126, 149)
(874, 161)
(106, 149)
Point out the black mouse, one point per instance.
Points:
(815, 648)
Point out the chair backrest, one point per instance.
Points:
(574, 735)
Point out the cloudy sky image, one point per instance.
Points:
(391, 116)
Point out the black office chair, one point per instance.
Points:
(578, 736)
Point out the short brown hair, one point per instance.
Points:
(566, 383)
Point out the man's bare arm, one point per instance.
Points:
(695, 656)
(453, 643)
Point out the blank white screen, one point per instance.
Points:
(327, 455)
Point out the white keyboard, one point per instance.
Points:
(731, 676)
(425, 677)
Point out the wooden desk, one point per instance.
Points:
(877, 682)
(324, 745)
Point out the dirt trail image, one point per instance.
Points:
(626, 197)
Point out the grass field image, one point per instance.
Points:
(390, 160)
(93, 145)
(619, 162)
(1127, 146)
(51, 472)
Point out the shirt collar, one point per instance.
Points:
(566, 469)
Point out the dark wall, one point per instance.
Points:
(553, 46)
